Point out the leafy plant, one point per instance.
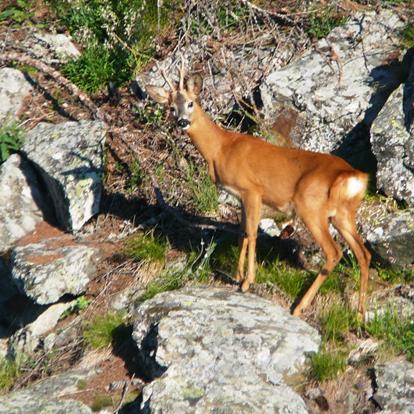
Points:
(11, 139)
(100, 332)
(82, 302)
(17, 12)
(407, 36)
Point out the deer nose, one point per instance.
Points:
(182, 123)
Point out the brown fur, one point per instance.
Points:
(314, 184)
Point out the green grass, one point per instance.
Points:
(394, 275)
(11, 139)
(197, 269)
(327, 365)
(290, 280)
(337, 321)
(145, 247)
(10, 370)
(203, 191)
(396, 332)
(102, 330)
(322, 21)
(136, 176)
(82, 302)
(101, 401)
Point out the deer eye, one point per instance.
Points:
(172, 109)
(190, 104)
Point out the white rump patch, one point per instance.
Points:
(354, 186)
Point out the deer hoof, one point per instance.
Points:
(245, 286)
(238, 276)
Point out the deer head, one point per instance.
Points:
(181, 98)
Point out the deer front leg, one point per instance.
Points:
(252, 205)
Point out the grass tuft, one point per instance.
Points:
(396, 332)
(101, 331)
(337, 321)
(322, 21)
(202, 189)
(327, 365)
(10, 370)
(145, 247)
(291, 280)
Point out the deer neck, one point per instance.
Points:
(206, 136)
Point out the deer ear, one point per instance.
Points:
(194, 84)
(159, 95)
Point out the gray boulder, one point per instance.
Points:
(391, 236)
(46, 396)
(21, 202)
(393, 147)
(47, 270)
(26, 339)
(69, 157)
(60, 44)
(215, 350)
(343, 81)
(395, 381)
(13, 89)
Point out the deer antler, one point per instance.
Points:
(182, 73)
(166, 78)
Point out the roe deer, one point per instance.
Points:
(322, 188)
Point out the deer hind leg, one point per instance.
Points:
(344, 221)
(252, 206)
(243, 243)
(319, 227)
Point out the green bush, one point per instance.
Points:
(118, 36)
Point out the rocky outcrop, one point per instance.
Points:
(46, 396)
(391, 236)
(393, 147)
(26, 339)
(343, 81)
(13, 89)
(22, 204)
(47, 270)
(217, 350)
(60, 44)
(395, 381)
(69, 157)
